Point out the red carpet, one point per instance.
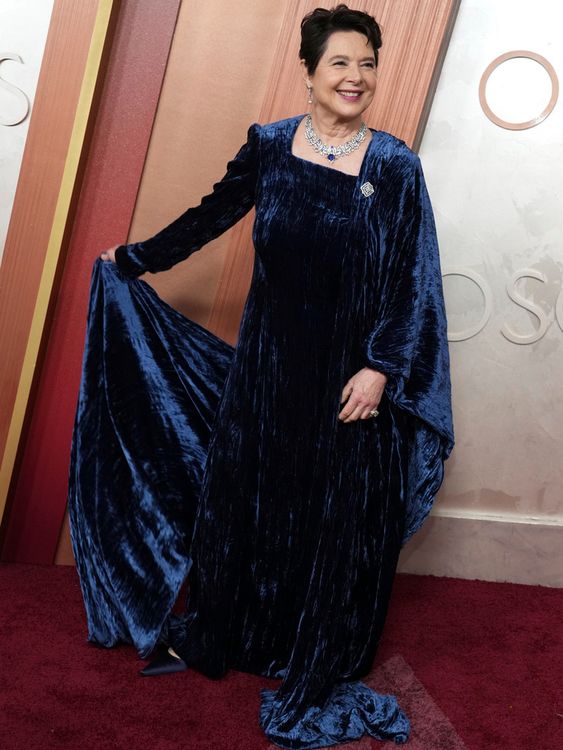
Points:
(477, 666)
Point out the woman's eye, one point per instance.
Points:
(340, 62)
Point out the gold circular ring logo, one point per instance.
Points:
(535, 120)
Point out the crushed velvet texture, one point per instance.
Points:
(150, 386)
(352, 711)
(231, 464)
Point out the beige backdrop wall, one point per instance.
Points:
(497, 195)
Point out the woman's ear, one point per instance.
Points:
(304, 72)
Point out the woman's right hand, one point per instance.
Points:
(109, 254)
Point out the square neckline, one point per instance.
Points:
(355, 177)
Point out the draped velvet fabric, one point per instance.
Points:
(230, 466)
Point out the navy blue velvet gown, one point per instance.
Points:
(230, 466)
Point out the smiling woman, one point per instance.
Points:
(338, 63)
(280, 476)
(344, 75)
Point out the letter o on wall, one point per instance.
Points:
(485, 290)
(535, 120)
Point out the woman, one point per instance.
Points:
(283, 474)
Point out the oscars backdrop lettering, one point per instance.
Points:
(543, 317)
(14, 104)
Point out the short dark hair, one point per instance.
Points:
(317, 26)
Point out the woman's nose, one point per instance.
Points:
(354, 73)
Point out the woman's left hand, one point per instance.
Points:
(109, 254)
(362, 394)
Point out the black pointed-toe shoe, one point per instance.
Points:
(164, 664)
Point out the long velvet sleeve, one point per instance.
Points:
(231, 198)
(409, 340)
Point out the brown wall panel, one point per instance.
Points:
(134, 70)
(227, 70)
(216, 80)
(43, 162)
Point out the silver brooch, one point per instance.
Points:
(367, 189)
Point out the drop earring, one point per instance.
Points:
(310, 91)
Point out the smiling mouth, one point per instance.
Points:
(351, 95)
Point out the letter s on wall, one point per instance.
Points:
(23, 109)
(559, 309)
(527, 304)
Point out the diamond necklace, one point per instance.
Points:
(333, 152)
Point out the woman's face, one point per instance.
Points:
(345, 79)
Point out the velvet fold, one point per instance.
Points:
(352, 711)
(150, 386)
(229, 466)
